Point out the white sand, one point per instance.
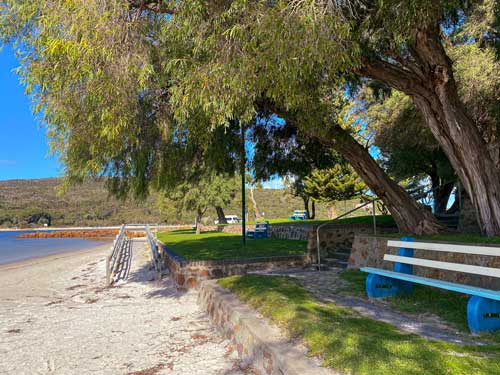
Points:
(56, 317)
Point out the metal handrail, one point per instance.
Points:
(115, 250)
(340, 217)
(155, 255)
(420, 188)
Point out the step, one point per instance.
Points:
(338, 264)
(338, 256)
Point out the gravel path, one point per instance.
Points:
(56, 318)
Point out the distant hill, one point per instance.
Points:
(35, 202)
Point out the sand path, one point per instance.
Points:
(56, 318)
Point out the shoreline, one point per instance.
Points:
(35, 260)
(111, 227)
(57, 316)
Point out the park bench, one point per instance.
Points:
(260, 231)
(483, 308)
(298, 215)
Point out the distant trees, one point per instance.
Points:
(198, 195)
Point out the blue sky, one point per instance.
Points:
(23, 146)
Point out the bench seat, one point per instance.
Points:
(461, 288)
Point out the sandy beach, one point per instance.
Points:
(56, 317)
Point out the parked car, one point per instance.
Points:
(231, 219)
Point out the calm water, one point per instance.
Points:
(13, 249)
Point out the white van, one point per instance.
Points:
(231, 219)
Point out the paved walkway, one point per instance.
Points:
(56, 318)
(328, 287)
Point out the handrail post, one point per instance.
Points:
(108, 271)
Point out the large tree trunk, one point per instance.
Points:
(428, 80)
(220, 215)
(312, 215)
(410, 217)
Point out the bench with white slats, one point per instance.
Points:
(483, 308)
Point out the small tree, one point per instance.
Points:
(211, 190)
(333, 184)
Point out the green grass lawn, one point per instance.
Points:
(219, 246)
(354, 344)
(366, 219)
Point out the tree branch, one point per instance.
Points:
(157, 6)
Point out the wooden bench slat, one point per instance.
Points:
(450, 248)
(456, 287)
(484, 271)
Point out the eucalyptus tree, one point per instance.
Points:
(276, 48)
(129, 89)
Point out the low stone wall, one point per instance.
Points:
(189, 274)
(332, 237)
(258, 343)
(340, 237)
(368, 251)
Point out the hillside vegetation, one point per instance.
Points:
(25, 203)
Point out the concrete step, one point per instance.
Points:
(337, 263)
(338, 256)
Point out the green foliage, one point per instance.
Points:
(333, 184)
(227, 246)
(208, 190)
(351, 343)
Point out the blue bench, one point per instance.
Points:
(260, 231)
(483, 308)
(298, 215)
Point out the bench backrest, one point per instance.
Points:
(405, 256)
(261, 226)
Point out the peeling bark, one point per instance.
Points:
(431, 86)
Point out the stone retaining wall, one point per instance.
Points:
(368, 251)
(340, 237)
(258, 343)
(189, 274)
(332, 237)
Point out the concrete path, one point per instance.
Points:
(56, 318)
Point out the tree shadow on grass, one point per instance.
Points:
(225, 246)
(354, 344)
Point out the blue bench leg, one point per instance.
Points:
(483, 314)
(378, 286)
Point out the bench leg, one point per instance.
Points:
(483, 314)
(378, 286)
